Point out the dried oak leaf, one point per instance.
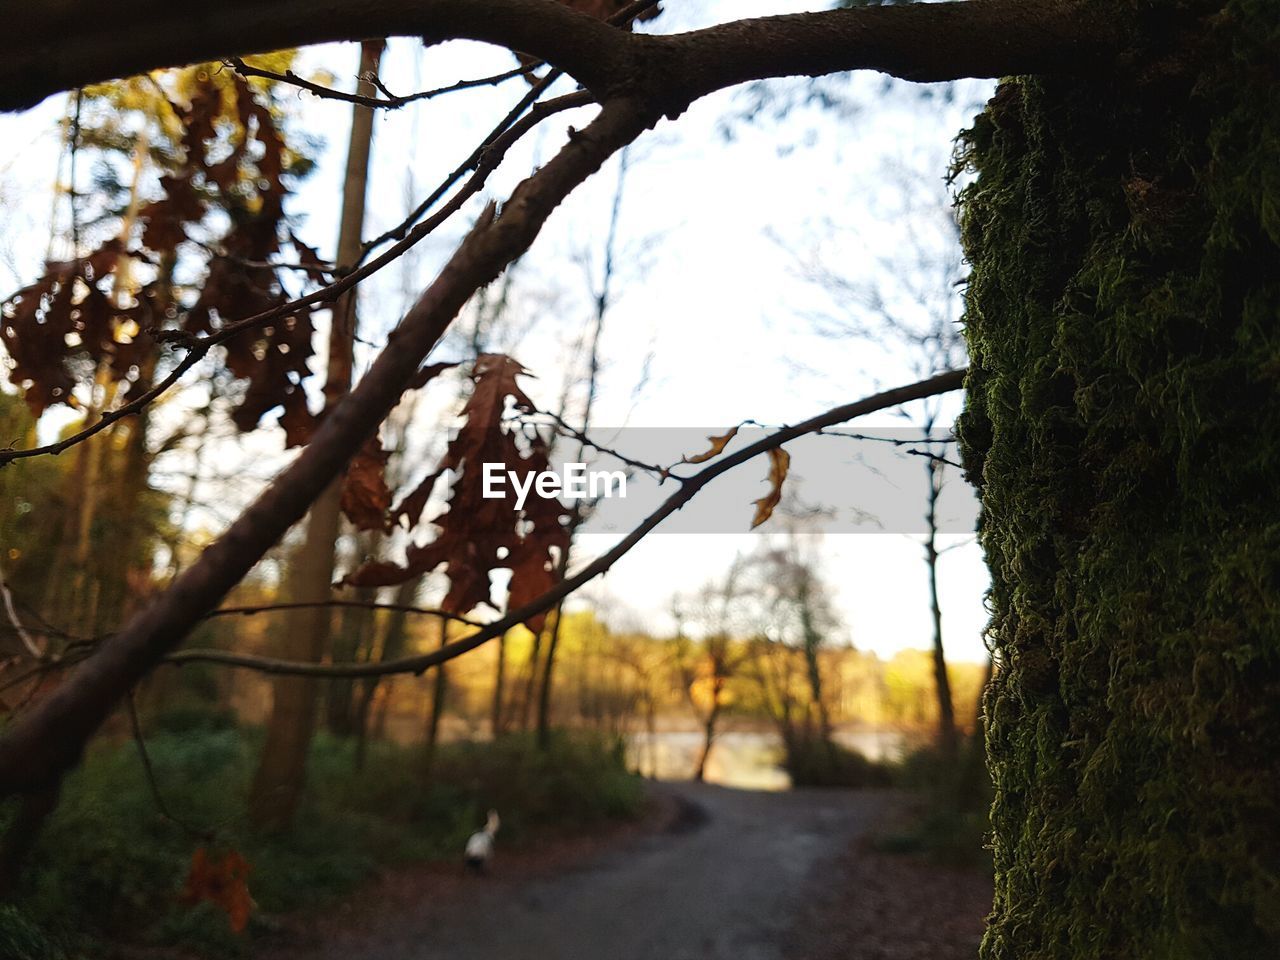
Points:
(366, 499)
(475, 534)
(717, 447)
(50, 327)
(779, 463)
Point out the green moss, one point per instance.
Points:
(1123, 425)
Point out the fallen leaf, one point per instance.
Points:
(223, 881)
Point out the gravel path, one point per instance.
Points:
(725, 879)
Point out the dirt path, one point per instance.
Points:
(724, 879)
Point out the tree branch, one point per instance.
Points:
(59, 44)
(387, 102)
(942, 383)
(247, 611)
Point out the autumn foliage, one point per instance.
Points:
(477, 535)
(98, 315)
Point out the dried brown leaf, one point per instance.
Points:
(779, 463)
(717, 447)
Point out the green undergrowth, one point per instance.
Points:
(948, 820)
(109, 866)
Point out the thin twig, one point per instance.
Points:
(195, 353)
(622, 17)
(206, 835)
(473, 160)
(390, 102)
(361, 604)
(559, 424)
(28, 641)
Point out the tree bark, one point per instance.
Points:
(1124, 322)
(277, 786)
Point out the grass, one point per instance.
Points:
(109, 866)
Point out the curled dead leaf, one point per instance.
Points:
(717, 447)
(779, 463)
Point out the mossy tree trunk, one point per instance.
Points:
(1123, 426)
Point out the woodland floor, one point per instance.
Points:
(711, 873)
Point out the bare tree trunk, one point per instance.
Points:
(531, 681)
(440, 690)
(356, 633)
(708, 738)
(946, 708)
(21, 836)
(277, 787)
(499, 685)
(544, 693)
(392, 646)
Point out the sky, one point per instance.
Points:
(726, 217)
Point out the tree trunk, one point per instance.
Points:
(1122, 423)
(277, 787)
(531, 681)
(392, 647)
(499, 684)
(439, 691)
(355, 640)
(708, 739)
(21, 835)
(942, 683)
(544, 693)
(973, 779)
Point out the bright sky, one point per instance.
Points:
(714, 320)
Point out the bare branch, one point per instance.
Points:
(194, 355)
(943, 383)
(562, 427)
(389, 102)
(477, 155)
(28, 641)
(54, 47)
(246, 611)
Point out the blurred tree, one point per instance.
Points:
(277, 786)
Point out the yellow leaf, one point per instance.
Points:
(779, 462)
(717, 445)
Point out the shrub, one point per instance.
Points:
(815, 762)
